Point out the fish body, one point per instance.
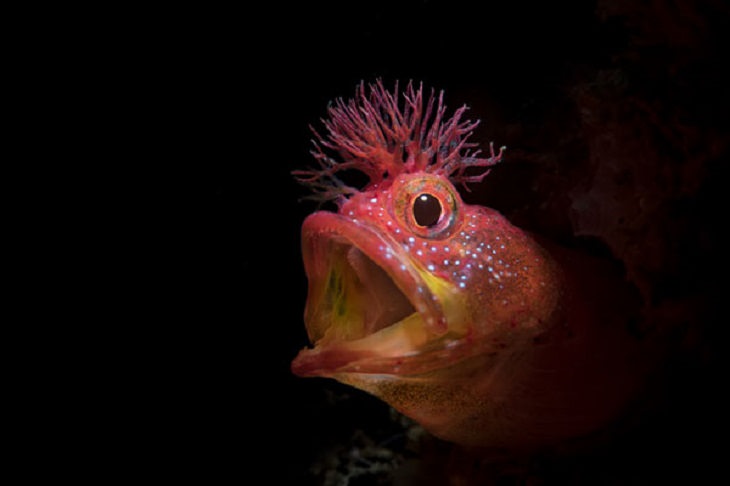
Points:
(445, 310)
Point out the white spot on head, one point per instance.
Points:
(419, 252)
(431, 267)
(462, 285)
(374, 200)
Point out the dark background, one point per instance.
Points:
(221, 101)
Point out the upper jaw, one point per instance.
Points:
(369, 304)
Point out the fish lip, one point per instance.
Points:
(393, 258)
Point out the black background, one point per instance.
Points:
(219, 103)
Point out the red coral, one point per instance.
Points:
(372, 133)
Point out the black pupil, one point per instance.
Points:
(426, 210)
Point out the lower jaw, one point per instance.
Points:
(385, 350)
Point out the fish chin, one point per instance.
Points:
(369, 308)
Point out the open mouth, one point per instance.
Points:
(358, 298)
(367, 302)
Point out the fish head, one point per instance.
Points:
(413, 295)
(403, 277)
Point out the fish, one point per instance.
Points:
(483, 333)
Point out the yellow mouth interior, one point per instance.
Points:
(352, 297)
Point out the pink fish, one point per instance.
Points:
(458, 319)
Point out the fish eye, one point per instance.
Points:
(427, 210)
(426, 204)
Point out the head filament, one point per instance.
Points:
(383, 136)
